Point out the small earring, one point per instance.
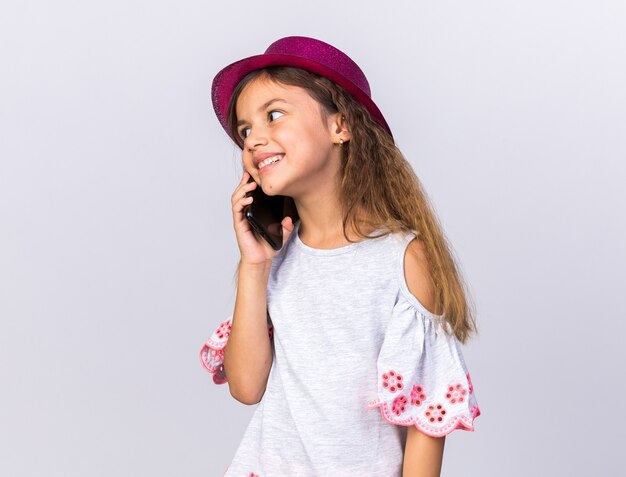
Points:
(340, 142)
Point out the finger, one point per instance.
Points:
(246, 179)
(242, 191)
(240, 203)
(288, 222)
(288, 227)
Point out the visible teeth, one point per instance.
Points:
(269, 160)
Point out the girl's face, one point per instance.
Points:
(284, 120)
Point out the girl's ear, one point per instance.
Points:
(339, 128)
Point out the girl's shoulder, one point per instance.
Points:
(395, 239)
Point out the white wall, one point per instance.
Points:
(117, 251)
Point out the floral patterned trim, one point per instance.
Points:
(212, 352)
(434, 412)
(457, 422)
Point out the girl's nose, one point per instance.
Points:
(257, 137)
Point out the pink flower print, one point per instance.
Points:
(398, 406)
(392, 381)
(217, 355)
(435, 413)
(417, 395)
(223, 331)
(252, 474)
(456, 393)
(469, 380)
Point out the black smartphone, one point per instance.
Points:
(266, 213)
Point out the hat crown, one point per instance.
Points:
(326, 55)
(301, 52)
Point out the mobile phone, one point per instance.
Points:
(266, 213)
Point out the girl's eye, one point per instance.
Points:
(243, 134)
(274, 111)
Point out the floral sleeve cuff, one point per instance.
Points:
(212, 352)
(422, 377)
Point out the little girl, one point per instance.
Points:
(349, 336)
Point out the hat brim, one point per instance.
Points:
(227, 79)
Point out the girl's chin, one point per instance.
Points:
(271, 187)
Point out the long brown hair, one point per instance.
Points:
(378, 188)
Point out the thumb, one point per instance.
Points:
(288, 227)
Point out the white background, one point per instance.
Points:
(117, 252)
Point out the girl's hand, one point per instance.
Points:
(252, 251)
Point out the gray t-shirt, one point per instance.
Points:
(356, 359)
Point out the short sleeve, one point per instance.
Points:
(212, 352)
(422, 376)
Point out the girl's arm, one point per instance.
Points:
(422, 454)
(248, 356)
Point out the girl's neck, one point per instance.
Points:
(324, 231)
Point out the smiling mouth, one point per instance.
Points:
(268, 161)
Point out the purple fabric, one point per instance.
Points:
(303, 52)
